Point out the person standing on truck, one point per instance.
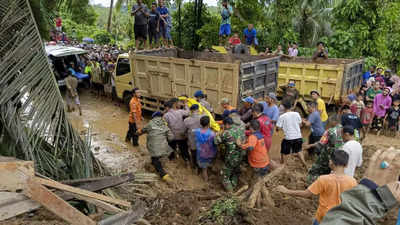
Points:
(135, 118)
(72, 94)
(58, 21)
(174, 118)
(314, 122)
(320, 106)
(382, 103)
(328, 187)
(250, 35)
(369, 73)
(246, 111)
(141, 13)
(225, 28)
(154, 26)
(192, 122)
(321, 53)
(292, 50)
(200, 97)
(164, 13)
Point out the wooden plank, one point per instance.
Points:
(55, 204)
(110, 180)
(107, 207)
(13, 174)
(13, 204)
(56, 185)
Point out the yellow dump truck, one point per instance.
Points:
(333, 78)
(168, 73)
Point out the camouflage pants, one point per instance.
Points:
(231, 171)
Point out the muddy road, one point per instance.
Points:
(189, 201)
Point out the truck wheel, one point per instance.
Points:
(126, 99)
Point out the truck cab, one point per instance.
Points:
(123, 78)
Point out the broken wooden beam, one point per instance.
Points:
(82, 192)
(101, 181)
(13, 204)
(55, 204)
(103, 205)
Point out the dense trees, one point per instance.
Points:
(351, 28)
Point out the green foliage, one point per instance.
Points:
(102, 37)
(189, 34)
(222, 210)
(207, 33)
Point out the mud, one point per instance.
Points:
(189, 198)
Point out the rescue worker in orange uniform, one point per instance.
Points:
(135, 118)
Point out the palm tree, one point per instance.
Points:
(313, 20)
(110, 16)
(33, 123)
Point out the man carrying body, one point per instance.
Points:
(233, 155)
(174, 118)
(141, 13)
(135, 118)
(72, 94)
(225, 28)
(199, 95)
(328, 187)
(192, 122)
(226, 106)
(266, 125)
(246, 111)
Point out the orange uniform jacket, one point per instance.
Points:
(135, 109)
(257, 156)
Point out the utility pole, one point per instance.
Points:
(110, 16)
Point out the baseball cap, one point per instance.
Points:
(194, 107)
(249, 100)
(315, 91)
(198, 93)
(273, 96)
(348, 129)
(224, 101)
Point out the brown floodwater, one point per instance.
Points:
(108, 123)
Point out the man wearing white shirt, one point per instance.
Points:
(290, 123)
(353, 148)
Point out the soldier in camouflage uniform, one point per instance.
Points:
(330, 141)
(233, 157)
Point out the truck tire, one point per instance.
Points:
(126, 99)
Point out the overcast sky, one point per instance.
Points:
(106, 3)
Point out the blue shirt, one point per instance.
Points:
(317, 128)
(163, 11)
(367, 75)
(250, 35)
(272, 112)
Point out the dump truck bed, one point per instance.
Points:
(170, 73)
(333, 78)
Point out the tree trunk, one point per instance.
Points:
(110, 16)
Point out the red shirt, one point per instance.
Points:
(234, 41)
(266, 127)
(367, 115)
(58, 22)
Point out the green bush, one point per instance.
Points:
(102, 37)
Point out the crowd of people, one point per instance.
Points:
(152, 24)
(185, 127)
